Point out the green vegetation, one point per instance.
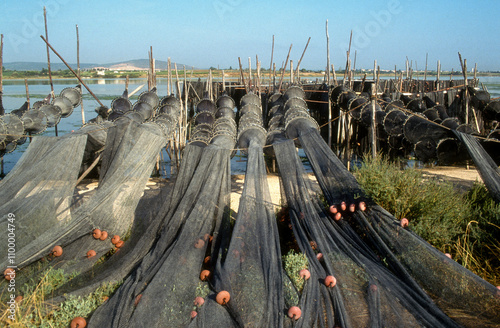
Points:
(464, 225)
(35, 311)
(292, 263)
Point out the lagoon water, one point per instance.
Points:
(14, 96)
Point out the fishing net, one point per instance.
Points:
(161, 290)
(486, 166)
(127, 162)
(250, 271)
(386, 275)
(39, 189)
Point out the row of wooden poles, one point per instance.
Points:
(255, 83)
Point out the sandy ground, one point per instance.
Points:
(461, 177)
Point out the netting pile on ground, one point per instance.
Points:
(161, 290)
(250, 271)
(77, 241)
(386, 275)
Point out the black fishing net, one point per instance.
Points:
(486, 166)
(386, 275)
(250, 271)
(161, 290)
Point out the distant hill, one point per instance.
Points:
(135, 64)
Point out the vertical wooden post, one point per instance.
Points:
(2, 111)
(300, 60)
(438, 74)
(291, 71)
(271, 66)
(48, 60)
(242, 77)
(463, 64)
(334, 77)
(327, 58)
(475, 75)
(1, 68)
(223, 81)
(169, 77)
(284, 68)
(425, 71)
(374, 123)
(27, 92)
(347, 60)
(250, 71)
(78, 69)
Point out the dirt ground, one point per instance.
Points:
(461, 177)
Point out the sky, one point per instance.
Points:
(215, 33)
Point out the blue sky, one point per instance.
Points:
(217, 32)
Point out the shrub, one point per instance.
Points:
(435, 210)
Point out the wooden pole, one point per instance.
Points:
(250, 70)
(425, 71)
(438, 74)
(466, 89)
(300, 60)
(291, 71)
(334, 76)
(48, 54)
(78, 69)
(27, 92)
(169, 77)
(475, 74)
(258, 75)
(284, 68)
(327, 54)
(72, 71)
(271, 65)
(1, 67)
(242, 77)
(48, 60)
(347, 61)
(374, 123)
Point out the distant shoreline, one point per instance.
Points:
(217, 74)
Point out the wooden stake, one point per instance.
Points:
(291, 71)
(425, 71)
(27, 93)
(72, 71)
(438, 74)
(327, 54)
(374, 123)
(466, 91)
(300, 60)
(334, 76)
(250, 71)
(48, 54)
(78, 69)
(271, 65)
(242, 77)
(169, 77)
(1, 67)
(347, 60)
(284, 68)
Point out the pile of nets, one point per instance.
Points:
(161, 290)
(385, 274)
